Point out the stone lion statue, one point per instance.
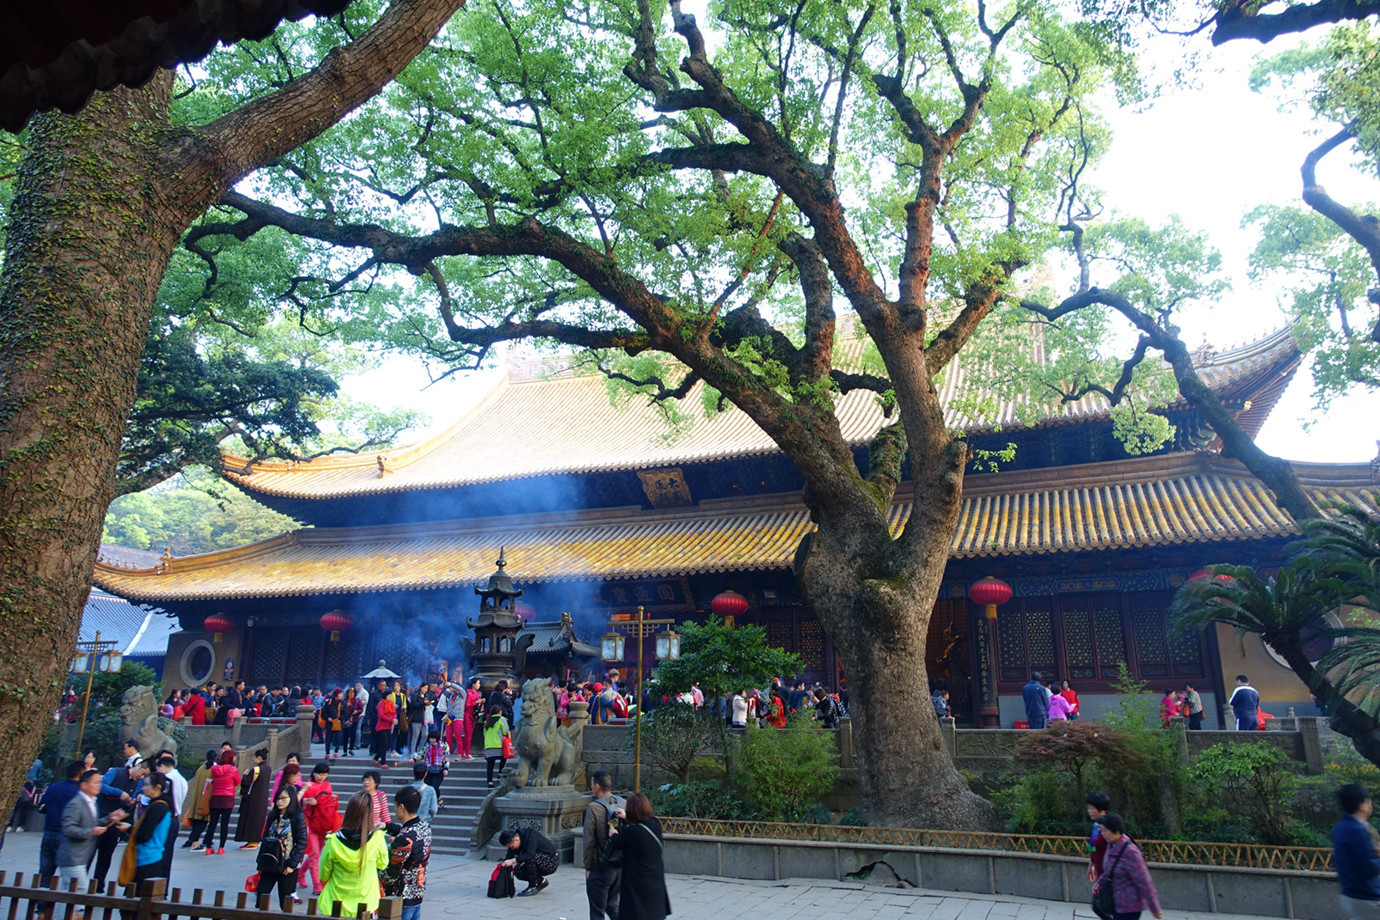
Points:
(139, 720)
(546, 756)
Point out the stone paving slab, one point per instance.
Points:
(456, 888)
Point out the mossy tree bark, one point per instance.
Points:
(102, 198)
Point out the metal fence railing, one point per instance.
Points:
(1175, 852)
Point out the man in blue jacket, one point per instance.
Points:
(1354, 856)
(55, 800)
(1036, 702)
(1245, 705)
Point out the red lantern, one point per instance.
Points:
(336, 622)
(1203, 575)
(524, 612)
(728, 605)
(218, 625)
(991, 593)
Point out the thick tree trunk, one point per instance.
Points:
(102, 199)
(1347, 718)
(87, 245)
(875, 601)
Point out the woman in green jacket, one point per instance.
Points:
(495, 730)
(352, 860)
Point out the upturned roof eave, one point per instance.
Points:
(1261, 383)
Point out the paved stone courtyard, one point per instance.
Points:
(456, 888)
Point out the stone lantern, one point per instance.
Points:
(495, 632)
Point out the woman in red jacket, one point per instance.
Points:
(1071, 698)
(225, 780)
(383, 730)
(196, 708)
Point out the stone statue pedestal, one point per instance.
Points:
(554, 811)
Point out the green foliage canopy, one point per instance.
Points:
(192, 513)
(722, 659)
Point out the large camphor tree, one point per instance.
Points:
(100, 201)
(692, 211)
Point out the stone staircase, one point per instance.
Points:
(463, 792)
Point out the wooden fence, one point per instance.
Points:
(20, 901)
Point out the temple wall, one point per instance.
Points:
(194, 658)
(1278, 686)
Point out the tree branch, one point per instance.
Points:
(261, 131)
(1363, 228)
(1236, 19)
(1278, 475)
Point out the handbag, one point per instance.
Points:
(507, 747)
(251, 884)
(1104, 899)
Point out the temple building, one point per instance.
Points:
(599, 512)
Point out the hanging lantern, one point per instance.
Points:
(218, 625)
(990, 593)
(668, 645)
(1204, 574)
(728, 605)
(611, 647)
(524, 611)
(335, 623)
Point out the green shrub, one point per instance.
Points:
(673, 736)
(1039, 802)
(1147, 784)
(785, 771)
(1257, 782)
(1074, 747)
(700, 799)
(1218, 825)
(854, 817)
(1346, 766)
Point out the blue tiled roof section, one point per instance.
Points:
(138, 630)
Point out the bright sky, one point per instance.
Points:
(1208, 157)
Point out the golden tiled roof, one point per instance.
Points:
(1179, 499)
(566, 424)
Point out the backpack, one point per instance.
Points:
(273, 851)
(324, 814)
(501, 884)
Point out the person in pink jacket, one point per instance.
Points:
(225, 781)
(473, 699)
(1059, 708)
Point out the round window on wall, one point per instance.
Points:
(198, 660)
(1316, 641)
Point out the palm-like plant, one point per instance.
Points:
(1346, 543)
(1279, 609)
(1337, 562)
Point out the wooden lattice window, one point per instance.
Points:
(1147, 624)
(1108, 634)
(1027, 638)
(304, 654)
(1078, 641)
(270, 656)
(812, 644)
(1186, 653)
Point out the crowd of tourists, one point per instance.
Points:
(354, 847)
(1048, 700)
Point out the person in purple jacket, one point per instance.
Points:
(1123, 868)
